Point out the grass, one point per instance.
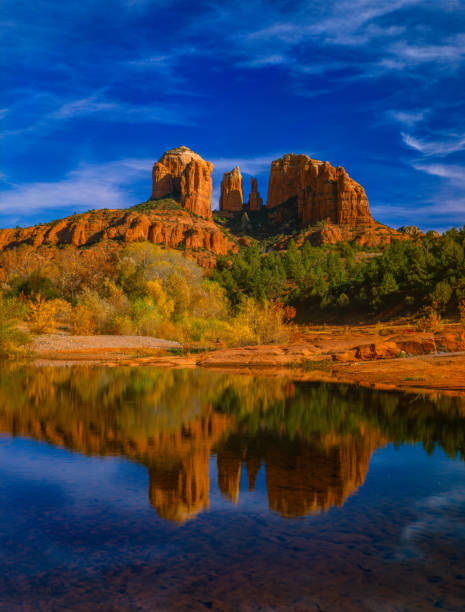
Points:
(163, 204)
(308, 365)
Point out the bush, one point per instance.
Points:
(432, 322)
(83, 321)
(259, 324)
(11, 338)
(41, 314)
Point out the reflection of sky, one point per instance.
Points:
(64, 510)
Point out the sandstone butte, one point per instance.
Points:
(323, 192)
(184, 175)
(232, 198)
(300, 189)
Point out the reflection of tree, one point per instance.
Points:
(314, 440)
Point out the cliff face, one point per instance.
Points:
(322, 191)
(183, 174)
(255, 201)
(171, 228)
(232, 198)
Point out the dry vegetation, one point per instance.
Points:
(141, 289)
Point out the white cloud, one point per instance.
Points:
(408, 118)
(434, 147)
(89, 186)
(102, 109)
(437, 516)
(455, 174)
(248, 165)
(440, 212)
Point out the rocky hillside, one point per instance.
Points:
(162, 222)
(307, 200)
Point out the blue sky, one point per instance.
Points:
(96, 91)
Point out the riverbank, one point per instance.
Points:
(396, 357)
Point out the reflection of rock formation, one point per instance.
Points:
(253, 467)
(314, 441)
(179, 475)
(229, 473)
(301, 476)
(311, 478)
(179, 492)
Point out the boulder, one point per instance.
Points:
(450, 342)
(378, 350)
(415, 344)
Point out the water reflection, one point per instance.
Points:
(314, 441)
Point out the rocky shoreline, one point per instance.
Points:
(403, 360)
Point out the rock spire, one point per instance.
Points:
(232, 198)
(255, 201)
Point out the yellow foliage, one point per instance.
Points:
(41, 314)
(159, 297)
(257, 324)
(430, 323)
(64, 310)
(83, 321)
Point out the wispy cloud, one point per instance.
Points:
(248, 165)
(105, 185)
(366, 24)
(103, 109)
(408, 118)
(434, 147)
(455, 174)
(440, 212)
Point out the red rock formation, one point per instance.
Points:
(322, 191)
(255, 201)
(183, 174)
(232, 198)
(171, 228)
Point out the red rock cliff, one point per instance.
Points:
(255, 201)
(171, 228)
(322, 191)
(232, 198)
(184, 175)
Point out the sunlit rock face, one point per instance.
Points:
(201, 239)
(255, 200)
(183, 174)
(322, 191)
(232, 197)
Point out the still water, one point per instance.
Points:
(158, 489)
